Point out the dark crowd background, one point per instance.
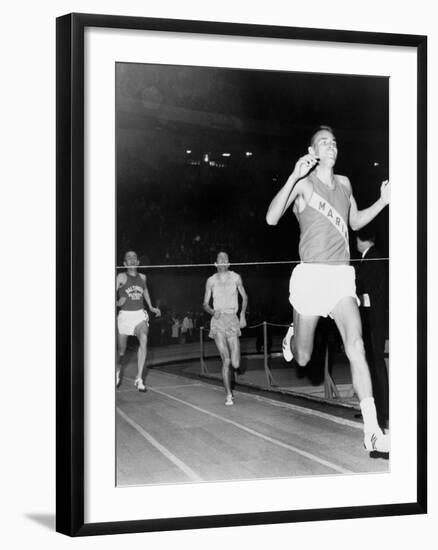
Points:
(202, 151)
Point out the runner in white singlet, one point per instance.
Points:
(225, 325)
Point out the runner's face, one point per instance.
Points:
(131, 259)
(324, 147)
(222, 261)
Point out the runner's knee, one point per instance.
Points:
(143, 339)
(302, 357)
(235, 362)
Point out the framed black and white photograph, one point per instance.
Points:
(240, 338)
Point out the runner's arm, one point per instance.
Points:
(360, 218)
(244, 295)
(293, 188)
(147, 297)
(283, 199)
(120, 281)
(207, 297)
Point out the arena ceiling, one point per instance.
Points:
(246, 106)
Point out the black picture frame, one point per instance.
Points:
(70, 272)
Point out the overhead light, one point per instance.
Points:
(216, 164)
(226, 154)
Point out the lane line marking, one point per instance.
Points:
(163, 450)
(129, 390)
(272, 440)
(178, 386)
(302, 410)
(281, 404)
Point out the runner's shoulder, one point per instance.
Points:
(304, 184)
(344, 181)
(121, 279)
(234, 275)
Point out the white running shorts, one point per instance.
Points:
(128, 320)
(315, 289)
(227, 324)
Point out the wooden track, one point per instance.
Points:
(180, 431)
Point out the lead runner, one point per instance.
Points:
(324, 283)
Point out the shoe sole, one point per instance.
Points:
(285, 347)
(375, 446)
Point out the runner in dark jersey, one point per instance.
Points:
(132, 318)
(324, 283)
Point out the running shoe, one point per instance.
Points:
(229, 400)
(376, 441)
(287, 352)
(139, 385)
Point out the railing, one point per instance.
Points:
(330, 390)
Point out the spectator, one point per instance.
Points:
(186, 328)
(176, 327)
(372, 287)
(190, 326)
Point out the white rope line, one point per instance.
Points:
(255, 326)
(280, 262)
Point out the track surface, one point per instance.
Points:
(180, 431)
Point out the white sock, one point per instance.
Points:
(369, 415)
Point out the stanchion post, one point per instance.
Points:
(201, 350)
(265, 352)
(331, 391)
(328, 393)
